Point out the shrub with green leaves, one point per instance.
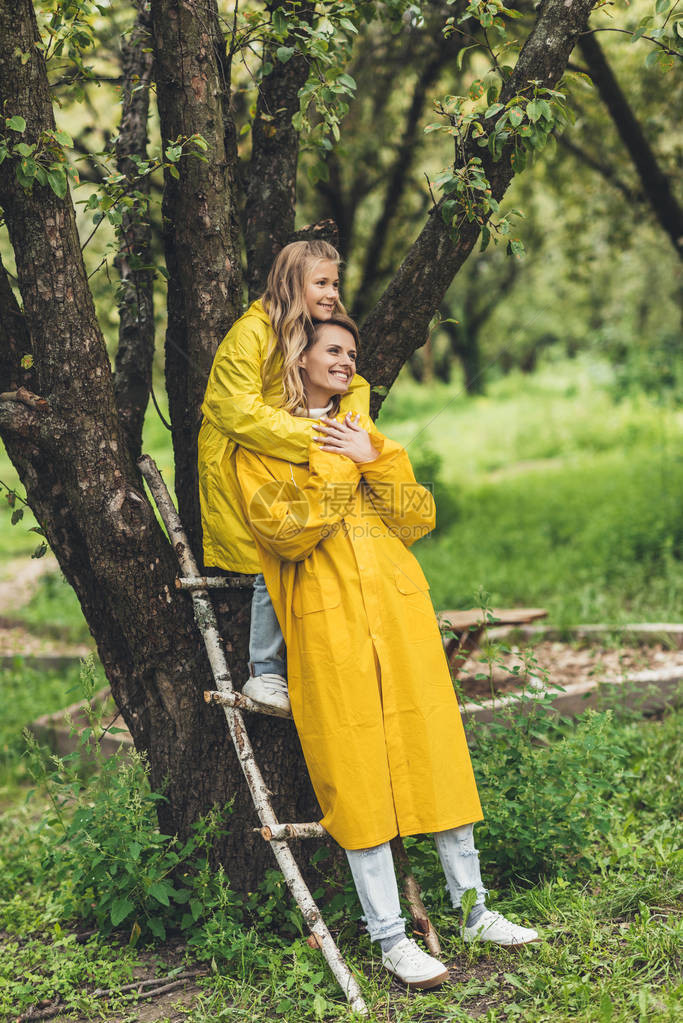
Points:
(101, 847)
(545, 790)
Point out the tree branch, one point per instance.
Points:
(401, 317)
(135, 355)
(656, 184)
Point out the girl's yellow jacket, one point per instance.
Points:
(371, 692)
(238, 409)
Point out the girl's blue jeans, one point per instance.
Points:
(266, 645)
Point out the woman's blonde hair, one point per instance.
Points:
(285, 304)
(313, 332)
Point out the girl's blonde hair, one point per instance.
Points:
(284, 302)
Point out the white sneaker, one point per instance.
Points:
(496, 928)
(412, 966)
(268, 690)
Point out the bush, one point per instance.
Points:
(101, 849)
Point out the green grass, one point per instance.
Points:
(549, 493)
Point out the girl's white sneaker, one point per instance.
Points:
(496, 928)
(412, 966)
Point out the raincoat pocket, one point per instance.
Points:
(315, 593)
(410, 579)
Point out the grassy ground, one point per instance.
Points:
(549, 493)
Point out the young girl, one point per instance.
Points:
(249, 397)
(370, 688)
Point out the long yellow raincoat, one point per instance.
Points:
(239, 409)
(371, 692)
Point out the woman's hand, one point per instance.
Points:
(346, 438)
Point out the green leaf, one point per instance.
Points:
(516, 116)
(134, 849)
(493, 109)
(22, 149)
(64, 138)
(651, 58)
(347, 81)
(56, 178)
(534, 110)
(279, 22)
(159, 891)
(157, 928)
(121, 908)
(284, 53)
(16, 123)
(17, 515)
(661, 6)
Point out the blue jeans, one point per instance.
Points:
(375, 879)
(266, 644)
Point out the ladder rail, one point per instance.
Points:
(205, 618)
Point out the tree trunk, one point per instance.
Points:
(201, 236)
(271, 184)
(135, 355)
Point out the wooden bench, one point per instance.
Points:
(464, 629)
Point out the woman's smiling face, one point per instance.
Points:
(321, 293)
(328, 365)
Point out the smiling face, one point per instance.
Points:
(328, 365)
(321, 292)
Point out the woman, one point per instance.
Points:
(369, 685)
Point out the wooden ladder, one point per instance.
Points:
(277, 834)
(233, 703)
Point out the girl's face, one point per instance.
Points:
(321, 293)
(328, 365)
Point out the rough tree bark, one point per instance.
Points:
(135, 355)
(656, 184)
(71, 455)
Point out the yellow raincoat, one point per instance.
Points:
(371, 692)
(237, 409)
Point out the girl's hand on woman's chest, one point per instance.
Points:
(345, 438)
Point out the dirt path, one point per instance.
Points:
(19, 580)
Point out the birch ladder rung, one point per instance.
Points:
(288, 832)
(233, 699)
(214, 582)
(205, 617)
